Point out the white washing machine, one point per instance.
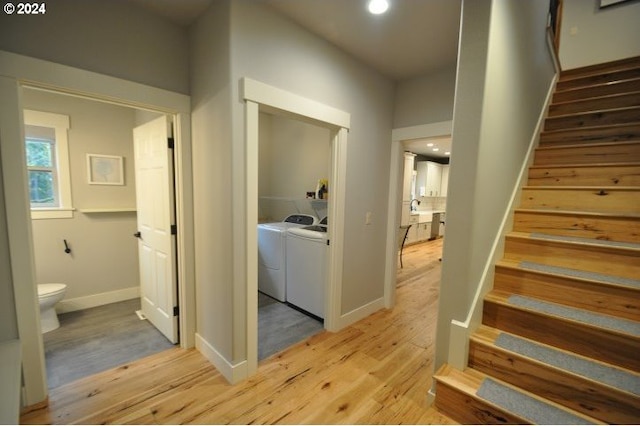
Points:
(307, 267)
(272, 254)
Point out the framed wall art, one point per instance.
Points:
(105, 169)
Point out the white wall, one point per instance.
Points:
(293, 156)
(110, 37)
(425, 99)
(602, 35)
(504, 72)
(104, 252)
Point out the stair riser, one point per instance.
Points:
(597, 91)
(466, 409)
(595, 104)
(579, 394)
(588, 199)
(592, 119)
(588, 154)
(588, 341)
(598, 79)
(592, 135)
(601, 298)
(596, 69)
(585, 176)
(583, 226)
(608, 261)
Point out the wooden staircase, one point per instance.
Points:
(561, 326)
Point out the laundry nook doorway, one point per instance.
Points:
(260, 97)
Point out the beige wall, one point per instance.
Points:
(104, 252)
(110, 37)
(600, 35)
(503, 63)
(211, 138)
(266, 47)
(293, 156)
(425, 99)
(8, 323)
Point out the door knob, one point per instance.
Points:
(138, 234)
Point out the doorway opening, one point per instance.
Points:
(260, 97)
(19, 72)
(93, 249)
(293, 193)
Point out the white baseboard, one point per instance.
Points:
(360, 313)
(233, 373)
(91, 301)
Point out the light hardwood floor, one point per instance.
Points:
(377, 371)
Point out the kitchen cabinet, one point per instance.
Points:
(412, 235)
(419, 231)
(444, 185)
(409, 159)
(424, 231)
(428, 179)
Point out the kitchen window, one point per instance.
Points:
(47, 160)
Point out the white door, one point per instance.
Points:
(156, 243)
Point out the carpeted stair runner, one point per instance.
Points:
(608, 375)
(576, 273)
(534, 410)
(580, 315)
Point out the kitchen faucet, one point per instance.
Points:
(411, 204)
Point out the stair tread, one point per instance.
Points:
(587, 276)
(577, 144)
(593, 213)
(594, 98)
(527, 406)
(582, 188)
(599, 127)
(592, 319)
(563, 86)
(595, 111)
(576, 240)
(582, 165)
(631, 62)
(608, 375)
(584, 212)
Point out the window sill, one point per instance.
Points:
(44, 213)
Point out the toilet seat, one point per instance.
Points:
(50, 289)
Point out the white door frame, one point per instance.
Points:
(257, 95)
(16, 72)
(441, 128)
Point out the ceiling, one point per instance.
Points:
(436, 147)
(414, 37)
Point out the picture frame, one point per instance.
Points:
(607, 3)
(105, 169)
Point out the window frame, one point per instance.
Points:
(60, 124)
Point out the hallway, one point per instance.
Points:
(375, 371)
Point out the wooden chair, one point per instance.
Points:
(402, 238)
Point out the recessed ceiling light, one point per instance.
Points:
(378, 7)
(447, 153)
(429, 144)
(436, 149)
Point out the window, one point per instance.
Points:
(47, 159)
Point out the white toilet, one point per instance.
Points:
(48, 296)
